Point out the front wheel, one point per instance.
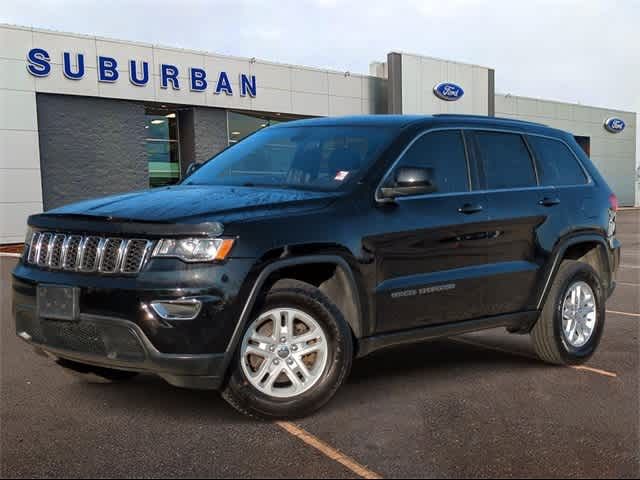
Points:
(572, 320)
(295, 354)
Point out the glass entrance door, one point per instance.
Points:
(163, 147)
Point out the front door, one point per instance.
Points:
(431, 250)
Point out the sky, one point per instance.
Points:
(583, 51)
(580, 51)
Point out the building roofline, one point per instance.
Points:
(186, 50)
(440, 59)
(573, 104)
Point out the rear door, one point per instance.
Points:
(523, 217)
(431, 250)
(559, 167)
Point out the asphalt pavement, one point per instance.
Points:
(479, 405)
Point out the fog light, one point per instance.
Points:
(184, 309)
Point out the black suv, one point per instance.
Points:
(270, 267)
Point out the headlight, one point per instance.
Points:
(194, 249)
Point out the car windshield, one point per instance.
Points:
(305, 157)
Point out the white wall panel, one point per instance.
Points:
(18, 110)
(339, 106)
(310, 104)
(13, 220)
(19, 149)
(14, 75)
(309, 81)
(58, 43)
(20, 186)
(56, 82)
(15, 42)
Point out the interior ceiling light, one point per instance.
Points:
(157, 122)
(170, 115)
(235, 133)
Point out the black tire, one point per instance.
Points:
(92, 374)
(248, 400)
(547, 335)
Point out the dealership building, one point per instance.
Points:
(83, 116)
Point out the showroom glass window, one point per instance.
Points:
(242, 125)
(505, 160)
(163, 152)
(444, 154)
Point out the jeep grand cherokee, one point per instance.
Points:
(267, 270)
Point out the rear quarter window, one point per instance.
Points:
(557, 165)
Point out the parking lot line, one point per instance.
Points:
(327, 450)
(629, 266)
(628, 284)
(595, 370)
(624, 313)
(520, 354)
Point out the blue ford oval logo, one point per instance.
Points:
(614, 125)
(448, 91)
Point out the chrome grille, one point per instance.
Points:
(88, 253)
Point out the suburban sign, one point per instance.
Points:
(614, 125)
(448, 91)
(109, 70)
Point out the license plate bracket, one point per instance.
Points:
(58, 302)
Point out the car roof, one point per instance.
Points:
(427, 121)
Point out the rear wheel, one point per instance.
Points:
(572, 320)
(91, 374)
(295, 354)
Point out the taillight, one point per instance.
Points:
(613, 202)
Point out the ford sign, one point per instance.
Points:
(448, 91)
(614, 125)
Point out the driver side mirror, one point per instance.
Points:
(409, 181)
(193, 166)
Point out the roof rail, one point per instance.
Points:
(486, 117)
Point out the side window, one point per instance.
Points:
(505, 160)
(557, 165)
(444, 153)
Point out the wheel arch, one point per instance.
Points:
(342, 280)
(588, 247)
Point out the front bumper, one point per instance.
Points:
(117, 343)
(114, 330)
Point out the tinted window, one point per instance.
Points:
(305, 157)
(505, 160)
(444, 153)
(557, 165)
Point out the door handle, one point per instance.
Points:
(469, 208)
(549, 202)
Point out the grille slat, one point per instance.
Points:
(88, 254)
(55, 255)
(33, 247)
(134, 255)
(111, 255)
(43, 248)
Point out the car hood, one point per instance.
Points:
(193, 204)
